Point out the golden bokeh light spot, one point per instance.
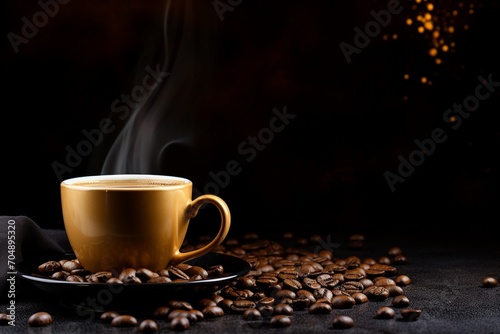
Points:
(428, 16)
(421, 29)
(451, 29)
(423, 80)
(406, 76)
(428, 25)
(433, 52)
(430, 7)
(435, 34)
(409, 22)
(445, 48)
(438, 61)
(395, 36)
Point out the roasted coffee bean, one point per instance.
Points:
(179, 305)
(148, 326)
(252, 314)
(246, 282)
(266, 301)
(284, 309)
(40, 319)
(114, 280)
(4, 319)
(401, 259)
(489, 282)
(60, 275)
(410, 314)
(108, 316)
(145, 274)
(100, 277)
(176, 273)
(360, 297)
(126, 274)
(352, 262)
(211, 312)
(177, 313)
(285, 294)
(323, 293)
(394, 290)
(159, 279)
(292, 284)
(265, 282)
(334, 268)
(373, 272)
(386, 267)
(49, 267)
(311, 284)
(320, 308)
(342, 322)
(394, 251)
(383, 281)
(342, 302)
(326, 281)
(204, 302)
(288, 274)
(80, 272)
(179, 323)
(197, 314)
(161, 312)
(225, 304)
(400, 301)
(351, 287)
(280, 321)
(385, 260)
(354, 274)
(196, 270)
(376, 292)
(301, 303)
(403, 280)
(385, 312)
(305, 294)
(241, 305)
(71, 265)
(75, 278)
(124, 321)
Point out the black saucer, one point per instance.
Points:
(99, 297)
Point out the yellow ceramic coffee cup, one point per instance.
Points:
(134, 220)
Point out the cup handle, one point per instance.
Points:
(191, 212)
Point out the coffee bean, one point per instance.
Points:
(145, 274)
(342, 322)
(385, 312)
(159, 279)
(124, 321)
(148, 326)
(489, 282)
(40, 319)
(161, 312)
(394, 251)
(320, 308)
(410, 314)
(342, 302)
(197, 313)
(179, 305)
(108, 316)
(177, 313)
(400, 301)
(252, 314)
(401, 259)
(127, 274)
(383, 281)
(376, 293)
(49, 267)
(242, 305)
(284, 309)
(71, 265)
(4, 319)
(394, 290)
(280, 321)
(211, 312)
(75, 278)
(403, 280)
(179, 323)
(360, 297)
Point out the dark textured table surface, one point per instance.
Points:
(446, 286)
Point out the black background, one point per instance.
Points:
(325, 170)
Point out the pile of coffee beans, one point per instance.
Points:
(285, 277)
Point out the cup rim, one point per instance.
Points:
(71, 182)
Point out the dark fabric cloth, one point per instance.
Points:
(21, 238)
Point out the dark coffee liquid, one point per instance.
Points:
(145, 183)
